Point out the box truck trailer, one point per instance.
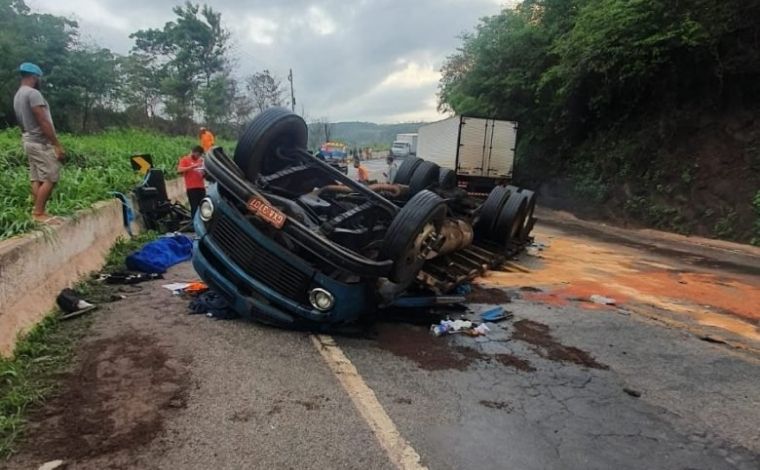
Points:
(480, 151)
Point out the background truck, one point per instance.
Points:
(480, 151)
(404, 145)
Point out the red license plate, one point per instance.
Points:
(269, 214)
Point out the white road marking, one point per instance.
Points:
(398, 449)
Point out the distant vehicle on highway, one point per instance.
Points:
(404, 145)
(335, 154)
(480, 151)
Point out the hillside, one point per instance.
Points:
(362, 134)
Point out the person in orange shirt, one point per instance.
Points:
(191, 168)
(362, 175)
(207, 139)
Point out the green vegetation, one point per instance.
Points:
(96, 165)
(645, 106)
(173, 77)
(28, 377)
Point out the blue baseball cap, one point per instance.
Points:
(28, 67)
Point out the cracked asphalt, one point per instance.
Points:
(564, 384)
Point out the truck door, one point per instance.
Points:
(473, 139)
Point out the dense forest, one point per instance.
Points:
(172, 79)
(634, 110)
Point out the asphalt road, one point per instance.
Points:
(565, 384)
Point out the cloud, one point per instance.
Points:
(370, 60)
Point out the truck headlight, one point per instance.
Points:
(206, 209)
(321, 299)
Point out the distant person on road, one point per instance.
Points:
(206, 138)
(362, 175)
(191, 168)
(41, 145)
(390, 175)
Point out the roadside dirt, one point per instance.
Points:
(488, 295)
(571, 269)
(115, 399)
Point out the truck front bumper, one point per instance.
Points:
(264, 281)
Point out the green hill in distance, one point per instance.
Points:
(361, 134)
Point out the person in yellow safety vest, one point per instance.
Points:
(207, 139)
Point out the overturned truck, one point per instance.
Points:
(291, 241)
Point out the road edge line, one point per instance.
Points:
(400, 452)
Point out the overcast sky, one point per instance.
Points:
(368, 60)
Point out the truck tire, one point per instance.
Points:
(424, 176)
(511, 220)
(447, 179)
(415, 224)
(529, 210)
(406, 170)
(273, 128)
(490, 211)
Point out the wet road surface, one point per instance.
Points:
(665, 378)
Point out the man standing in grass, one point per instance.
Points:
(191, 167)
(41, 145)
(206, 138)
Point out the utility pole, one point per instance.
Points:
(292, 93)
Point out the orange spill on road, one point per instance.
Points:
(572, 269)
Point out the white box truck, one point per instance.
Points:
(404, 145)
(480, 151)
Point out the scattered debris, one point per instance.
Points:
(632, 392)
(602, 300)
(159, 255)
(176, 288)
(123, 277)
(463, 289)
(212, 305)
(530, 289)
(495, 315)
(403, 401)
(544, 344)
(72, 304)
(488, 295)
(450, 327)
(497, 405)
(712, 339)
(53, 464)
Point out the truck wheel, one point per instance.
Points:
(407, 241)
(511, 220)
(490, 211)
(529, 209)
(273, 128)
(424, 176)
(447, 179)
(405, 171)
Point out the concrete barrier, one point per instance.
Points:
(34, 268)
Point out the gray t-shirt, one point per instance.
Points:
(26, 98)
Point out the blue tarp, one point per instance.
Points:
(159, 255)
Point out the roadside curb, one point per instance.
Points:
(36, 266)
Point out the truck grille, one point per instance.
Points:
(257, 262)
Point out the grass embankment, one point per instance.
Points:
(28, 377)
(95, 165)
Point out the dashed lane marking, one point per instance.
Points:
(401, 454)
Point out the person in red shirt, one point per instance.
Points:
(362, 175)
(191, 167)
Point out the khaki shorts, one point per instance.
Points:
(43, 164)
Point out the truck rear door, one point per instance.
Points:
(486, 148)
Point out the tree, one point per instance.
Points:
(264, 90)
(87, 80)
(192, 55)
(26, 36)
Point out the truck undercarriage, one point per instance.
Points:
(292, 241)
